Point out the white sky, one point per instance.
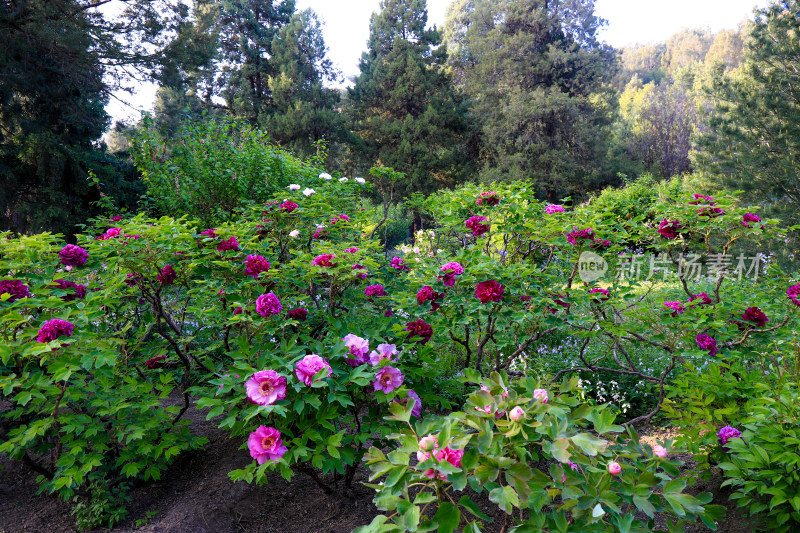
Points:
(346, 29)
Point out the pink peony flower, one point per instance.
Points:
(541, 395)
(337, 218)
(427, 293)
(669, 229)
(399, 264)
(605, 295)
(268, 304)
(167, 275)
(489, 291)
(614, 468)
(375, 290)
(320, 233)
(750, 218)
(700, 199)
(209, 233)
(553, 208)
(324, 260)
(384, 352)
(659, 451)
(451, 270)
(427, 444)
(727, 433)
(488, 198)
(419, 328)
(255, 265)
(265, 387)
(676, 308)
(15, 289)
(265, 444)
(228, 245)
(73, 256)
(476, 225)
(358, 347)
(706, 342)
(704, 298)
(755, 315)
(580, 234)
(299, 313)
(309, 366)
(360, 275)
(53, 329)
(350, 250)
(793, 293)
(711, 212)
(288, 206)
(412, 396)
(599, 243)
(387, 379)
(79, 292)
(516, 413)
(448, 455)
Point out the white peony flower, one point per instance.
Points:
(362, 181)
(308, 192)
(294, 233)
(342, 180)
(325, 176)
(294, 187)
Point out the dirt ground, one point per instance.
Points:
(196, 496)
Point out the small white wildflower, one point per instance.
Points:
(361, 181)
(308, 192)
(294, 187)
(294, 233)
(342, 180)
(325, 176)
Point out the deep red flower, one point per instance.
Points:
(489, 291)
(419, 328)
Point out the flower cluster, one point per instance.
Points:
(426, 294)
(399, 264)
(309, 366)
(53, 329)
(288, 206)
(706, 342)
(477, 225)
(605, 295)
(488, 198)
(750, 218)
(359, 348)
(384, 352)
(553, 208)
(793, 293)
(429, 446)
(324, 260)
(676, 307)
(727, 433)
(299, 313)
(580, 235)
(375, 290)
(167, 275)
(255, 265)
(228, 245)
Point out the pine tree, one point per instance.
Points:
(753, 139)
(536, 75)
(402, 105)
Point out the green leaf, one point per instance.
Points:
(448, 516)
(590, 444)
(505, 497)
(473, 508)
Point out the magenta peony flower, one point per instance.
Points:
(599, 243)
(489, 291)
(238, 311)
(727, 433)
(706, 342)
(265, 444)
(15, 289)
(399, 264)
(388, 313)
(388, 379)
(320, 233)
(360, 275)
(553, 208)
(268, 304)
(412, 396)
(793, 293)
(384, 352)
(488, 198)
(750, 218)
(451, 270)
(288, 206)
(669, 229)
(711, 212)
(155, 362)
(359, 348)
(427, 293)
(212, 232)
(614, 469)
(167, 275)
(598, 290)
(265, 387)
(337, 218)
(541, 395)
(73, 256)
(375, 290)
(704, 298)
(476, 225)
(53, 329)
(516, 413)
(324, 260)
(580, 234)
(255, 265)
(755, 315)
(676, 308)
(700, 199)
(309, 366)
(350, 250)
(79, 292)
(115, 218)
(659, 451)
(419, 328)
(299, 313)
(228, 245)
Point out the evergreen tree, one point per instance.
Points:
(753, 138)
(536, 74)
(303, 109)
(402, 105)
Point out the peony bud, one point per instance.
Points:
(516, 413)
(614, 468)
(659, 451)
(540, 394)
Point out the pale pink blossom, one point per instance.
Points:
(265, 387)
(309, 366)
(614, 468)
(516, 413)
(388, 379)
(541, 395)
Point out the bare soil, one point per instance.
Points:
(196, 496)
